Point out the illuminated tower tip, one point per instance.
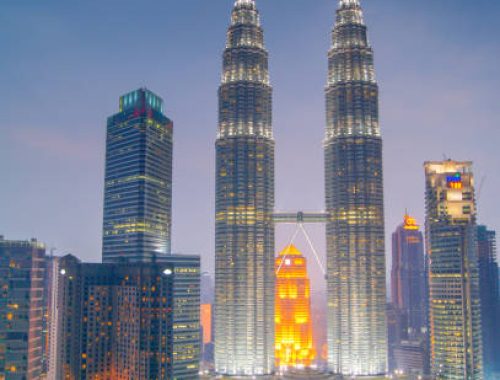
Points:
(290, 250)
(349, 3)
(244, 2)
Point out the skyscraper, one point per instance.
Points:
(22, 265)
(490, 301)
(52, 313)
(121, 321)
(455, 310)
(244, 241)
(357, 337)
(138, 180)
(294, 329)
(408, 277)
(408, 346)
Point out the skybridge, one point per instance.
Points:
(300, 218)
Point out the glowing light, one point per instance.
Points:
(455, 181)
(167, 272)
(410, 223)
(294, 339)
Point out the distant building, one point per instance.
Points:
(408, 277)
(130, 320)
(408, 296)
(138, 180)
(490, 301)
(207, 288)
(294, 328)
(455, 309)
(207, 342)
(21, 307)
(52, 332)
(411, 357)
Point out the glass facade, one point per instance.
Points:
(408, 277)
(356, 286)
(244, 278)
(408, 297)
(455, 310)
(130, 321)
(138, 180)
(490, 301)
(22, 268)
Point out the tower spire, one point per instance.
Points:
(244, 2)
(349, 3)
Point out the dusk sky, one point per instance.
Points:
(64, 65)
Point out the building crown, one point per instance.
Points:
(410, 223)
(349, 4)
(290, 250)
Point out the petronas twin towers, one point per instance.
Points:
(244, 310)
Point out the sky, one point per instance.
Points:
(64, 65)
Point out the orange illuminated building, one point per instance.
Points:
(294, 334)
(206, 322)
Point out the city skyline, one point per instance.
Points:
(134, 309)
(48, 138)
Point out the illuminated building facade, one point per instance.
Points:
(408, 297)
(130, 321)
(490, 301)
(357, 335)
(52, 303)
(408, 276)
(294, 332)
(455, 310)
(138, 180)
(244, 237)
(22, 266)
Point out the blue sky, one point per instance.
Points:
(65, 63)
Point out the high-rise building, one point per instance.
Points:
(357, 335)
(138, 180)
(130, 320)
(408, 277)
(244, 236)
(294, 330)
(21, 305)
(455, 310)
(490, 301)
(408, 297)
(52, 303)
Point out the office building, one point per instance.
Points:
(357, 333)
(408, 277)
(51, 318)
(130, 320)
(490, 301)
(408, 346)
(138, 180)
(21, 303)
(455, 308)
(244, 230)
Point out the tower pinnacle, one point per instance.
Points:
(244, 2)
(349, 3)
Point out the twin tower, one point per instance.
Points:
(244, 274)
